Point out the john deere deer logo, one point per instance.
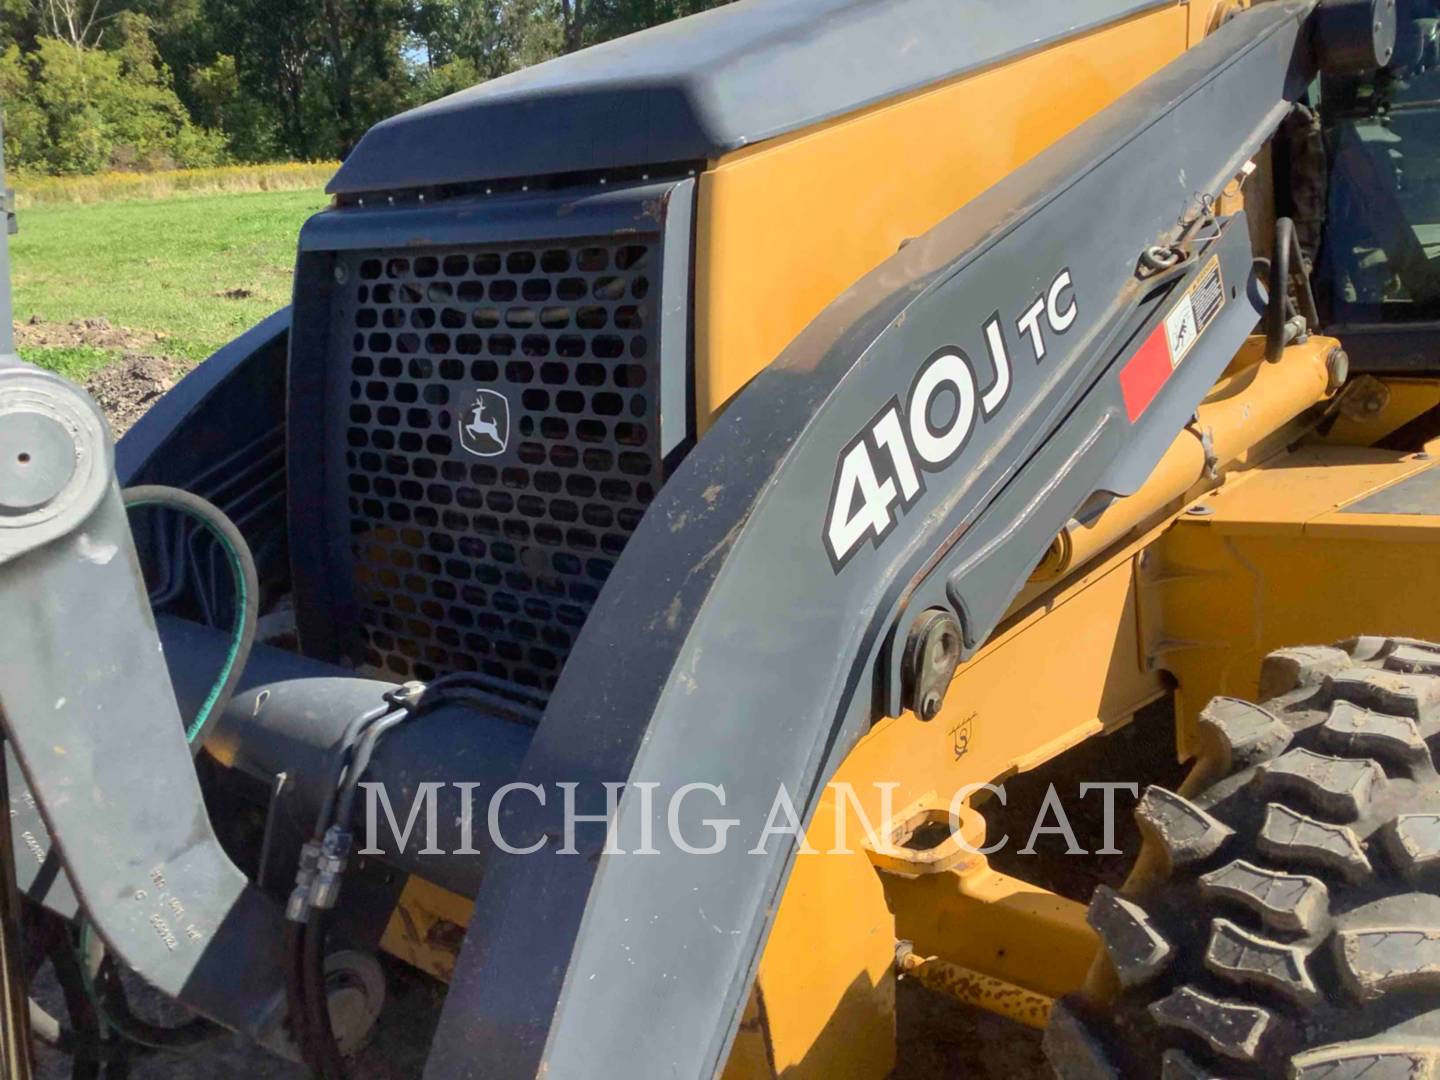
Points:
(487, 432)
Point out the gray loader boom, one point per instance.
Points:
(905, 462)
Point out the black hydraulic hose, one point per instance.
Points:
(115, 1008)
(84, 1017)
(344, 751)
(329, 1063)
(48, 1030)
(306, 997)
(1277, 314)
(247, 593)
(295, 993)
(450, 689)
(360, 762)
(306, 1001)
(447, 690)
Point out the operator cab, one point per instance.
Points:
(1377, 276)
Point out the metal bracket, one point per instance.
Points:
(932, 652)
(104, 754)
(7, 205)
(1207, 444)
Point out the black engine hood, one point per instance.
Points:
(692, 89)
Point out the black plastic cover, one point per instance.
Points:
(701, 86)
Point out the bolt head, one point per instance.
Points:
(1337, 368)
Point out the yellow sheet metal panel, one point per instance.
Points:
(996, 925)
(427, 927)
(1279, 561)
(1391, 403)
(1047, 681)
(827, 976)
(1065, 671)
(750, 1054)
(785, 227)
(1294, 491)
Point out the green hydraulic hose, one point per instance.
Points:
(247, 592)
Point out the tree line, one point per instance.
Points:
(90, 85)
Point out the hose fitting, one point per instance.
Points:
(297, 909)
(330, 867)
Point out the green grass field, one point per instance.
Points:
(194, 270)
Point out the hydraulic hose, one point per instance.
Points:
(1287, 246)
(305, 997)
(344, 750)
(360, 762)
(115, 1008)
(247, 593)
(328, 1061)
(48, 1030)
(307, 1000)
(100, 978)
(84, 1016)
(295, 993)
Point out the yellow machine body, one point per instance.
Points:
(1246, 538)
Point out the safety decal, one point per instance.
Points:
(1161, 352)
(881, 471)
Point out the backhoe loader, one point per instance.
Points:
(694, 477)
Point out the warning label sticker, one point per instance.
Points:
(1195, 311)
(1145, 373)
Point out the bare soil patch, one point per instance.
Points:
(128, 387)
(124, 388)
(96, 333)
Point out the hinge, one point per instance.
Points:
(7, 206)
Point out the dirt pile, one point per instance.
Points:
(97, 333)
(124, 388)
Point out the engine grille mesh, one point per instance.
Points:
(467, 563)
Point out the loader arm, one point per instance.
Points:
(821, 553)
(1012, 367)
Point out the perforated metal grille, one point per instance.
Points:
(491, 564)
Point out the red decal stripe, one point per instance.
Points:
(1145, 373)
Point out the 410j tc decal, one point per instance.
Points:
(881, 471)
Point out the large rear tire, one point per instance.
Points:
(1283, 919)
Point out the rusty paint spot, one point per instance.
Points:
(983, 991)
